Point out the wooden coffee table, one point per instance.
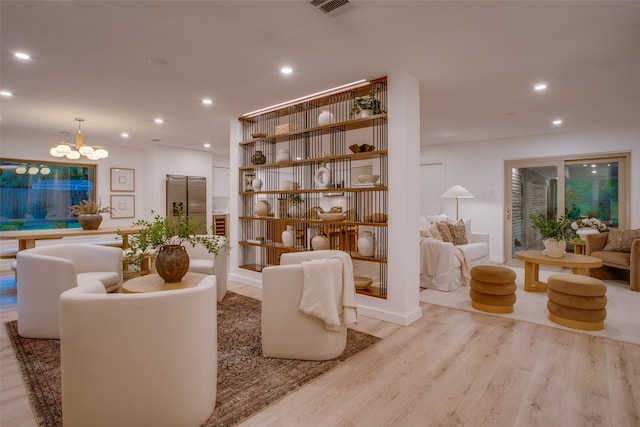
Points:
(533, 259)
(154, 283)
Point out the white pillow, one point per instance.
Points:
(467, 228)
(436, 218)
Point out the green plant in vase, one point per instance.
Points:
(163, 234)
(554, 231)
(89, 213)
(362, 104)
(295, 209)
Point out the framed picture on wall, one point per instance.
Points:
(123, 179)
(123, 206)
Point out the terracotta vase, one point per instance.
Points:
(172, 263)
(90, 221)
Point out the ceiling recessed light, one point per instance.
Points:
(286, 70)
(556, 122)
(206, 145)
(22, 55)
(207, 101)
(6, 93)
(124, 135)
(158, 120)
(540, 87)
(594, 171)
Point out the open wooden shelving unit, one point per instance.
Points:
(312, 146)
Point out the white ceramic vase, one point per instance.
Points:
(366, 243)
(322, 178)
(325, 118)
(554, 248)
(295, 210)
(320, 242)
(287, 237)
(262, 208)
(366, 113)
(256, 184)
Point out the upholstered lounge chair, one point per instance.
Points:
(622, 252)
(45, 272)
(147, 359)
(202, 261)
(286, 331)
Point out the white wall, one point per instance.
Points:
(479, 167)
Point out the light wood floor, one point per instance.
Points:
(450, 368)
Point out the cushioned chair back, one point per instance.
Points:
(139, 359)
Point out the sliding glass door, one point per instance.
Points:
(533, 189)
(577, 188)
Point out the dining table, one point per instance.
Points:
(27, 238)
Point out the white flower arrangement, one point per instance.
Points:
(593, 223)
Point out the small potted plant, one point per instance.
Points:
(89, 213)
(366, 105)
(164, 238)
(554, 231)
(295, 209)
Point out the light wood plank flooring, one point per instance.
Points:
(450, 368)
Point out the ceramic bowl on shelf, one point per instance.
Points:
(258, 135)
(366, 147)
(368, 179)
(362, 282)
(355, 148)
(332, 216)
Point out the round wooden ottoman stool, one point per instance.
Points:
(577, 302)
(493, 288)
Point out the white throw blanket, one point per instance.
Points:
(465, 268)
(329, 292)
(429, 256)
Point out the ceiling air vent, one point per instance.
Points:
(332, 7)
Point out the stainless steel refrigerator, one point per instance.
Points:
(189, 193)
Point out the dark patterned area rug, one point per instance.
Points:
(247, 382)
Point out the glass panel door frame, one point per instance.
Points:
(560, 163)
(550, 163)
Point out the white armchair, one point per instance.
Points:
(45, 272)
(286, 331)
(202, 261)
(147, 359)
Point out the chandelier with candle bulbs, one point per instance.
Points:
(73, 152)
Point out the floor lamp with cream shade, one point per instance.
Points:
(457, 192)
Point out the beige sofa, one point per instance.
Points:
(619, 254)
